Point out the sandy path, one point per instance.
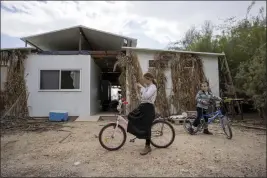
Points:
(41, 154)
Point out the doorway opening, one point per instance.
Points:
(109, 89)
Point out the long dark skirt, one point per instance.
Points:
(140, 121)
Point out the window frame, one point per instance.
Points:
(59, 90)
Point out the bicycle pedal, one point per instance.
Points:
(132, 140)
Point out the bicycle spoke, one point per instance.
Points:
(113, 137)
(160, 133)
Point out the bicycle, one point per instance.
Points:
(218, 114)
(121, 124)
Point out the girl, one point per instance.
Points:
(141, 119)
(203, 97)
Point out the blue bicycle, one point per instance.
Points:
(218, 114)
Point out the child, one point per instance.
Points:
(203, 97)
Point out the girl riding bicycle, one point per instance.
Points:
(203, 98)
(141, 119)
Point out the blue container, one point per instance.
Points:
(58, 116)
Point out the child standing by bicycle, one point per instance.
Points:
(203, 98)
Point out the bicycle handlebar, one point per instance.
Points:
(121, 102)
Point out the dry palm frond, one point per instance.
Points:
(186, 80)
(15, 88)
(186, 75)
(161, 103)
(131, 70)
(175, 75)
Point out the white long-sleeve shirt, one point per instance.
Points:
(148, 94)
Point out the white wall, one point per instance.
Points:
(41, 102)
(210, 64)
(94, 87)
(211, 70)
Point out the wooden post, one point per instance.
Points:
(26, 43)
(231, 80)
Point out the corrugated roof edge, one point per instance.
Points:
(18, 48)
(78, 26)
(174, 51)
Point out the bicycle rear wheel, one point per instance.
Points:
(118, 134)
(226, 127)
(157, 129)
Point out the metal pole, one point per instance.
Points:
(265, 105)
(0, 73)
(80, 42)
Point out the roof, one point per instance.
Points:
(173, 51)
(68, 40)
(19, 48)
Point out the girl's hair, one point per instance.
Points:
(149, 76)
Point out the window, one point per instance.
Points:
(59, 79)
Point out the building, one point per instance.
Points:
(87, 56)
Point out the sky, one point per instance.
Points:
(154, 23)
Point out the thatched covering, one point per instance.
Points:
(15, 92)
(186, 75)
(160, 65)
(131, 70)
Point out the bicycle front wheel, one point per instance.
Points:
(226, 127)
(112, 138)
(162, 134)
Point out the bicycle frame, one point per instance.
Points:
(124, 123)
(120, 118)
(212, 116)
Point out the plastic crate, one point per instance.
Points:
(58, 116)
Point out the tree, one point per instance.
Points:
(252, 78)
(244, 44)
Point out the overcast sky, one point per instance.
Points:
(153, 23)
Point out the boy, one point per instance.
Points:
(203, 98)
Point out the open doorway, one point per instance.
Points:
(109, 89)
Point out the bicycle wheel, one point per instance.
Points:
(188, 124)
(157, 132)
(226, 127)
(112, 136)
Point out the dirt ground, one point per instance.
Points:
(45, 154)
